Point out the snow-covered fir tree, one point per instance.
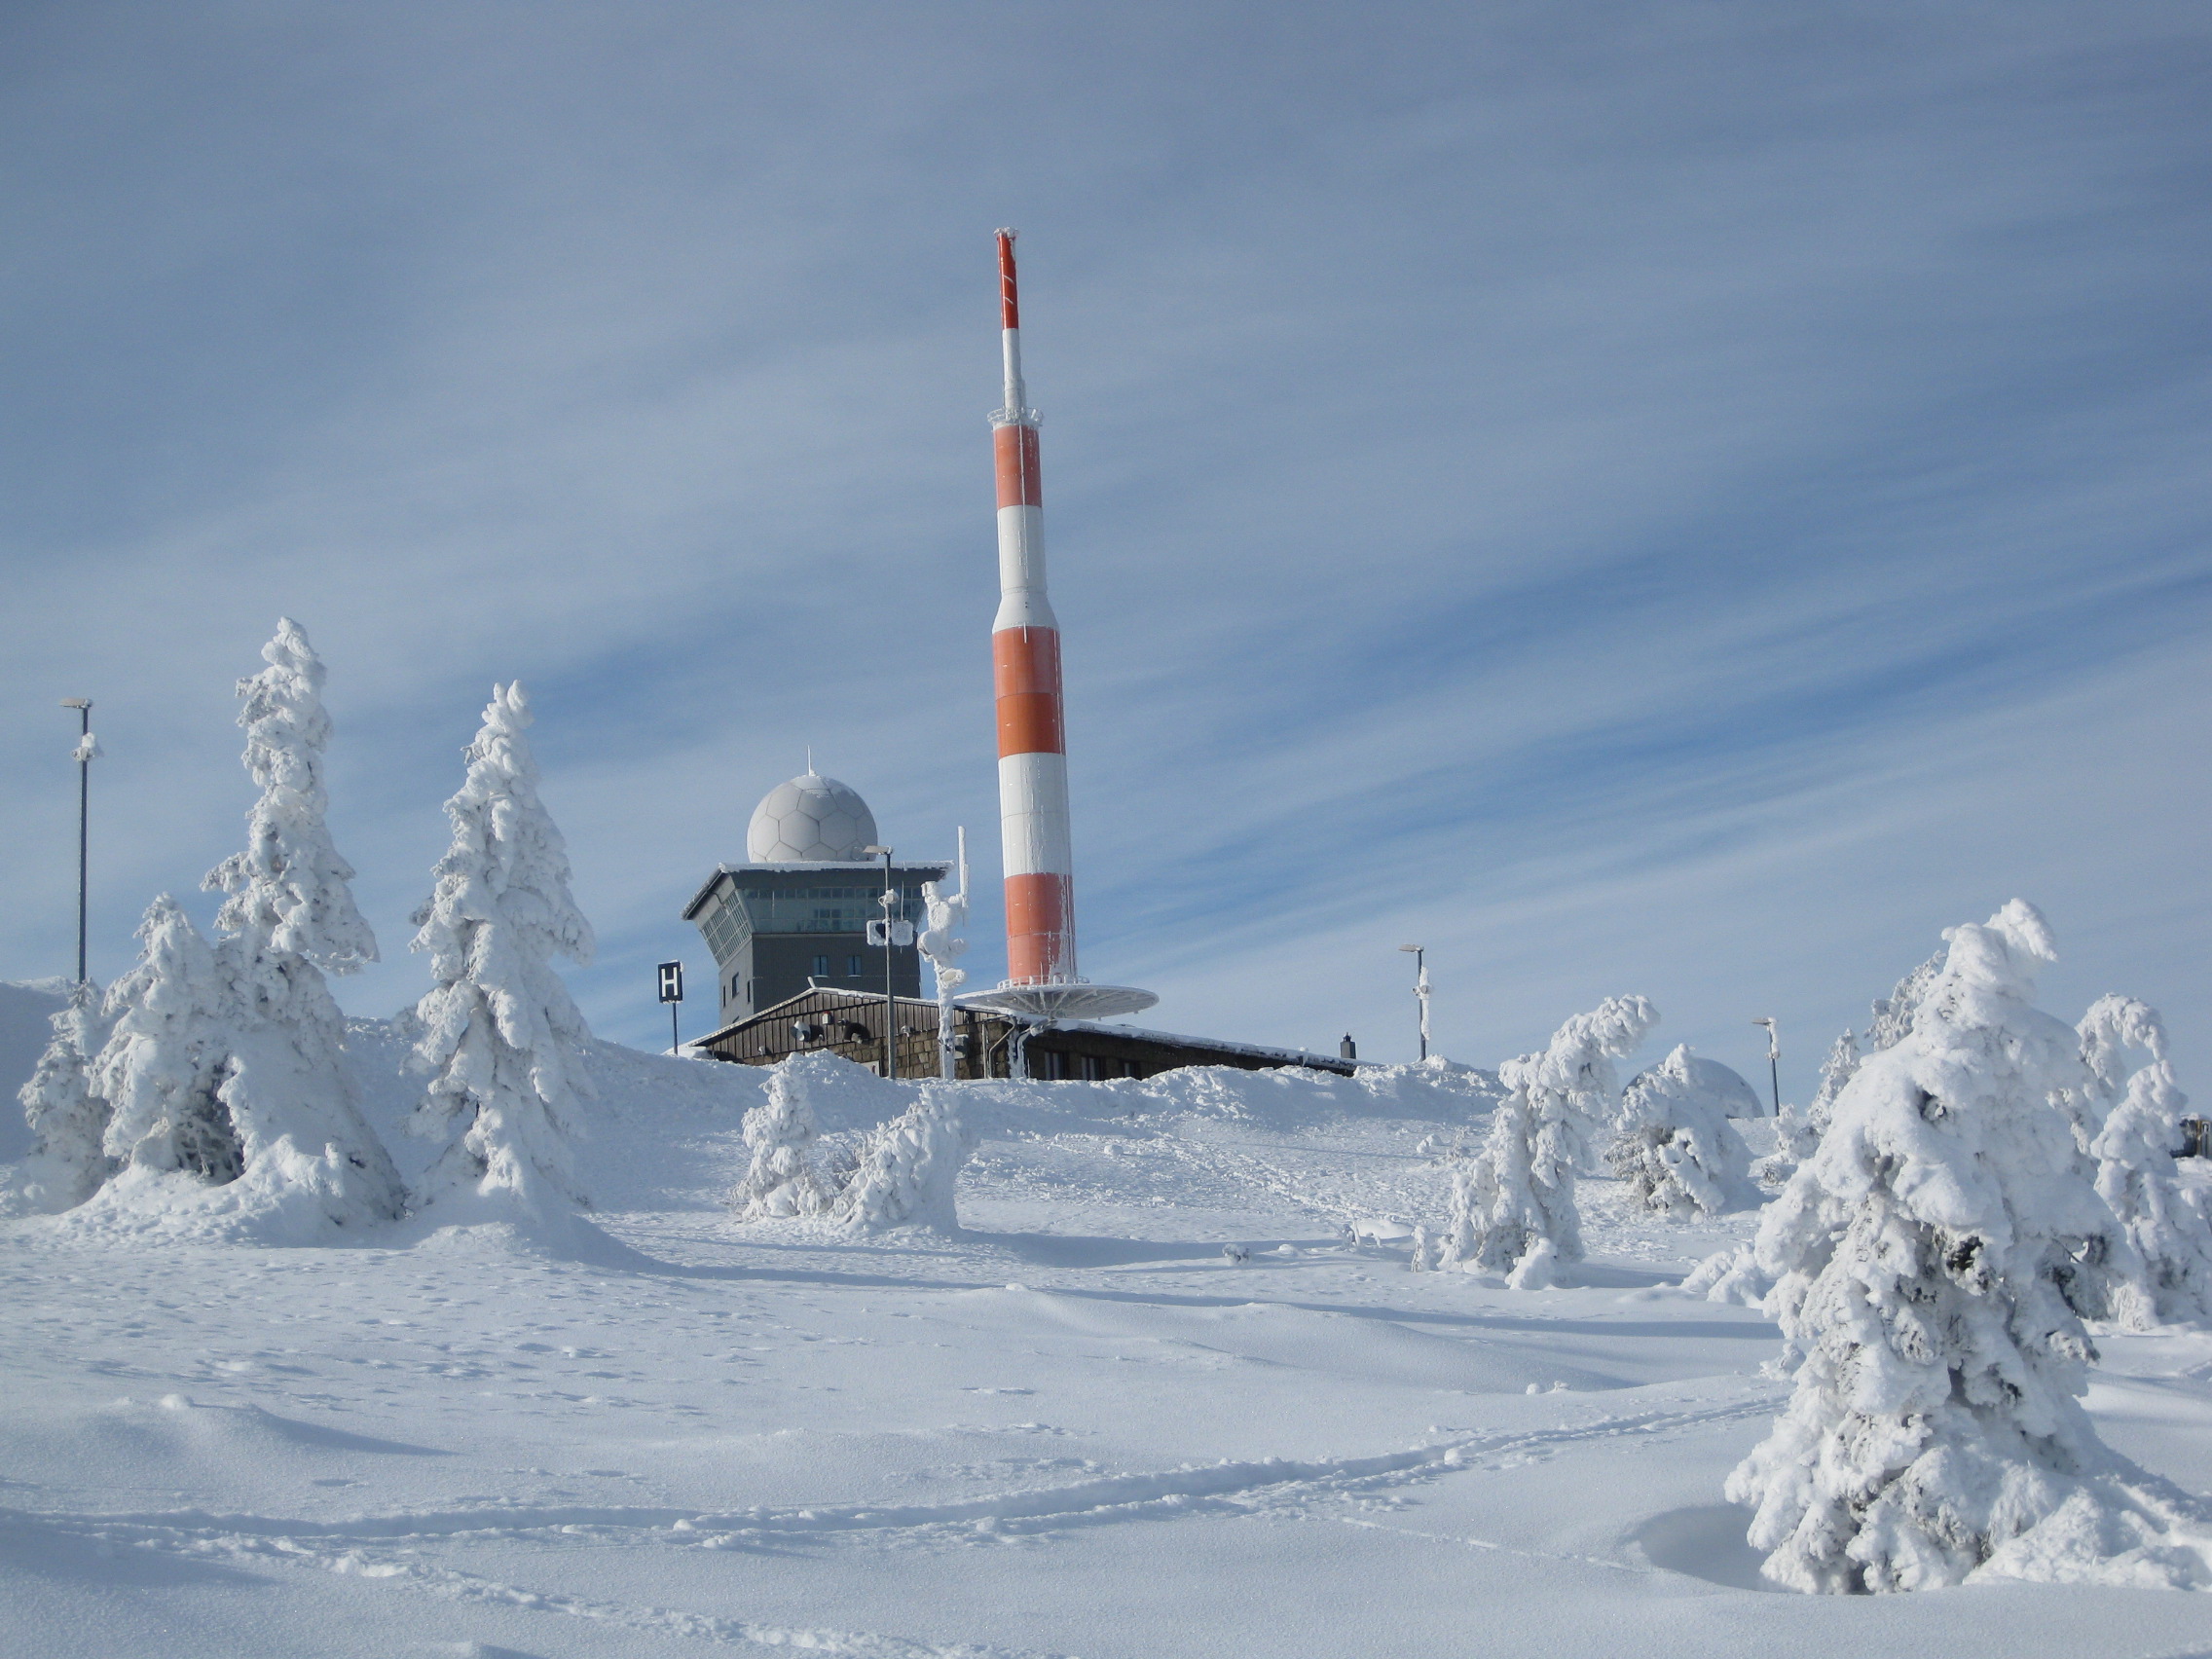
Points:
(908, 1169)
(1513, 1207)
(2127, 1117)
(287, 918)
(167, 1054)
(1675, 1149)
(67, 1118)
(785, 1176)
(501, 1040)
(1933, 1259)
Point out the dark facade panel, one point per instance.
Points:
(849, 1024)
(775, 929)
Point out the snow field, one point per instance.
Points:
(1072, 1428)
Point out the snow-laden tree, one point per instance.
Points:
(168, 1051)
(67, 1118)
(785, 1178)
(501, 1038)
(287, 918)
(908, 1169)
(1673, 1146)
(1797, 1133)
(1513, 1209)
(2127, 1117)
(1933, 1260)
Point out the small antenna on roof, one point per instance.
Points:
(810, 759)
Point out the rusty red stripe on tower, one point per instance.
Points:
(1025, 660)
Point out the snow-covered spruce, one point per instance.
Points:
(908, 1169)
(167, 1049)
(502, 1040)
(2128, 1119)
(288, 919)
(785, 1178)
(1513, 1209)
(1730, 1276)
(1933, 1259)
(1674, 1147)
(67, 1118)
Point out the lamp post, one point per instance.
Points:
(1773, 1059)
(1420, 990)
(889, 900)
(87, 751)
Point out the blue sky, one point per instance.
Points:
(1688, 499)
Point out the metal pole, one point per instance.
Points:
(675, 1040)
(1420, 990)
(890, 996)
(84, 708)
(1773, 1059)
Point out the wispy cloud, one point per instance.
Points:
(1689, 501)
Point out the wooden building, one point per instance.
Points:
(834, 1019)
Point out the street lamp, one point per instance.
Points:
(1773, 1059)
(1420, 990)
(890, 933)
(87, 751)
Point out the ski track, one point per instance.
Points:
(1276, 1487)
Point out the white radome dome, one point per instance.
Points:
(810, 820)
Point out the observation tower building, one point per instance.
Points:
(794, 917)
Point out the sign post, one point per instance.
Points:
(672, 993)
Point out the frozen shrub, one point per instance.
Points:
(908, 1168)
(785, 1178)
(1674, 1147)
(167, 1052)
(1513, 1209)
(68, 1120)
(1932, 1262)
(2127, 1116)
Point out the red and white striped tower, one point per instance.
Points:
(1025, 667)
(1042, 981)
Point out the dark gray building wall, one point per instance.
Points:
(759, 966)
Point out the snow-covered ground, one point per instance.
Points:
(1077, 1429)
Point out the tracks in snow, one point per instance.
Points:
(1271, 1486)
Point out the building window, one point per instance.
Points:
(822, 967)
(1093, 1068)
(1055, 1065)
(853, 966)
(735, 981)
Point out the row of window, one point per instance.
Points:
(1053, 1066)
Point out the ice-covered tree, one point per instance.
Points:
(501, 1038)
(908, 1169)
(167, 1054)
(2127, 1117)
(67, 1118)
(785, 1178)
(1513, 1207)
(1798, 1132)
(1933, 1259)
(1674, 1147)
(287, 918)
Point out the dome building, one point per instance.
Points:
(794, 917)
